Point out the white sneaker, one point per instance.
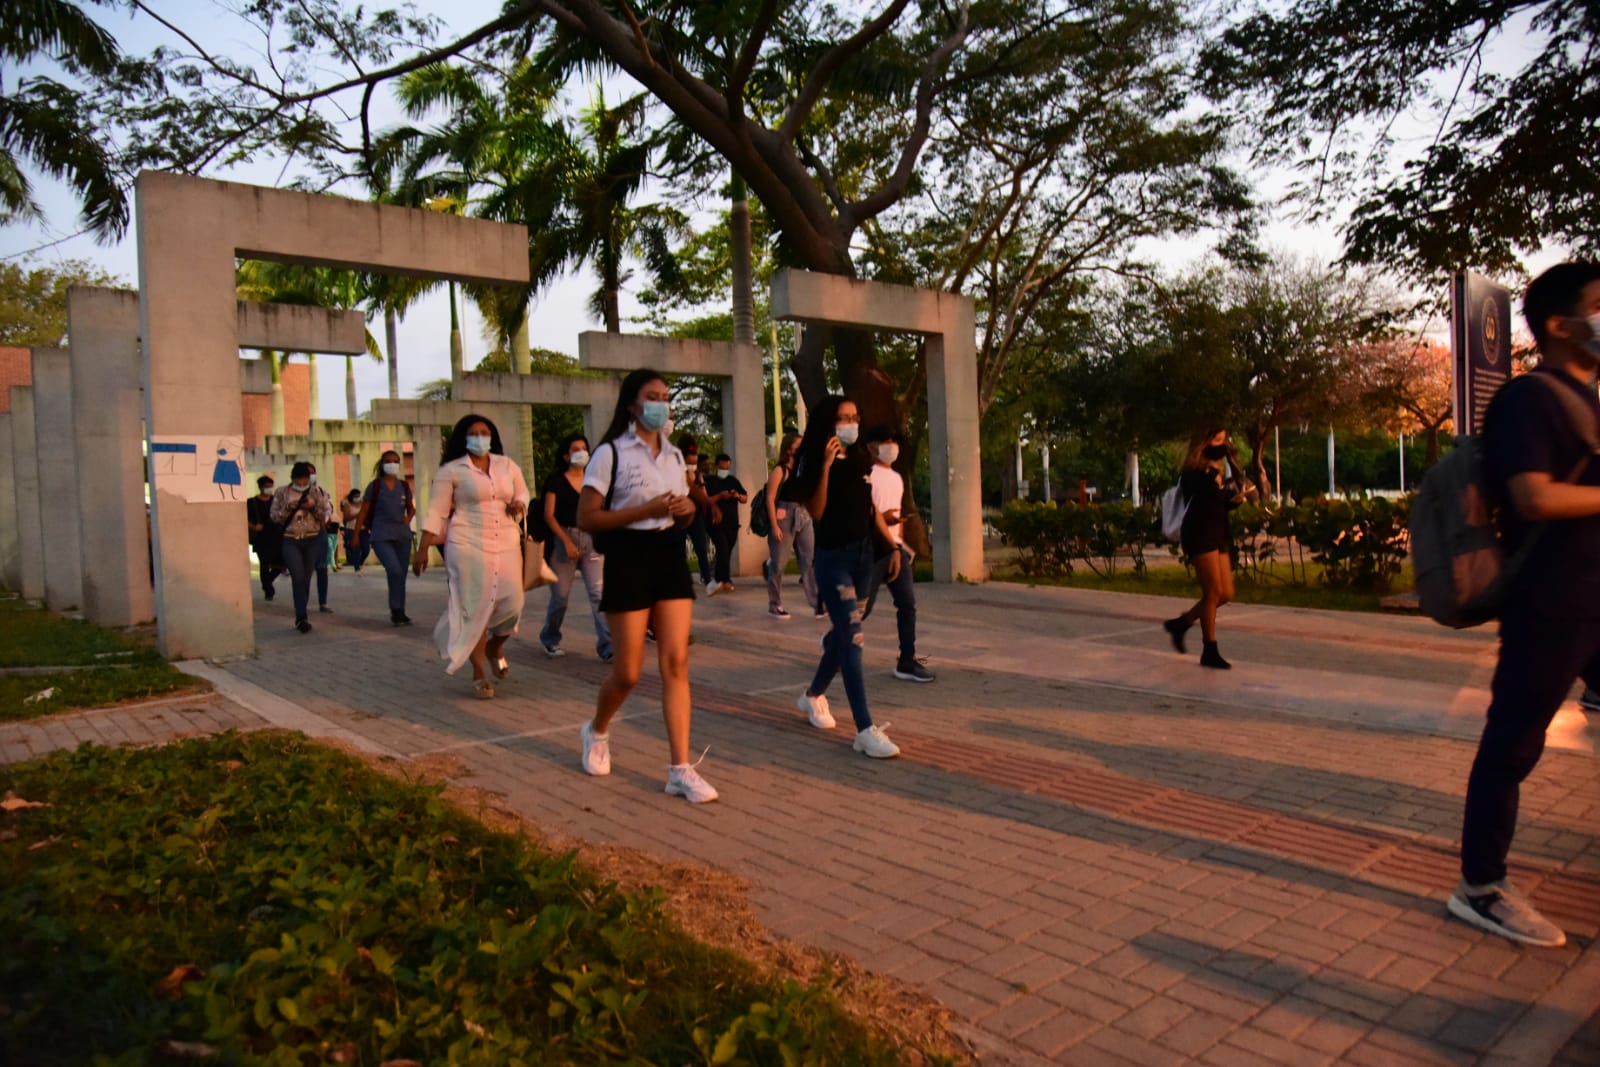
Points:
(554, 651)
(875, 743)
(712, 589)
(596, 750)
(1500, 909)
(685, 781)
(816, 709)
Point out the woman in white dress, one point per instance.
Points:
(478, 501)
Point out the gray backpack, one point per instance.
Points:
(1462, 570)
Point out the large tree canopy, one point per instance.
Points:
(1508, 161)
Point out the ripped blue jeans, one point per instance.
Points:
(844, 577)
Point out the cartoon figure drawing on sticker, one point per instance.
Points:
(226, 475)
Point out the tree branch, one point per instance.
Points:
(829, 64)
(739, 76)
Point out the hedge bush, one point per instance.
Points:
(1359, 544)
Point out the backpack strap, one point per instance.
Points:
(1581, 418)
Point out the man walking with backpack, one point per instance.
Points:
(1541, 473)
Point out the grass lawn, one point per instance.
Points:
(1176, 581)
(122, 668)
(262, 899)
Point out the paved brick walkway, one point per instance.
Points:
(1092, 851)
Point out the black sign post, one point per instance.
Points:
(1480, 345)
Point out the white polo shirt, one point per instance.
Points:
(640, 476)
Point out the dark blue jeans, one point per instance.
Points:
(844, 576)
(699, 534)
(357, 543)
(303, 557)
(903, 591)
(395, 557)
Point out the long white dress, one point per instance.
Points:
(482, 552)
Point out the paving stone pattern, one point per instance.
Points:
(1091, 850)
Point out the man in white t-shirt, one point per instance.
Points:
(888, 491)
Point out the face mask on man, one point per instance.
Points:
(478, 444)
(847, 432)
(1592, 345)
(391, 469)
(653, 414)
(888, 452)
(579, 459)
(724, 471)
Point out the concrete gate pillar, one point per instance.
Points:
(10, 560)
(57, 457)
(25, 467)
(189, 232)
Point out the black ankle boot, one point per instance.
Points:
(1212, 658)
(1176, 628)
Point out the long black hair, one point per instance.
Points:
(456, 445)
(563, 464)
(626, 396)
(820, 422)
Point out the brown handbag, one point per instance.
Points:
(535, 571)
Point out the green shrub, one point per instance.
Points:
(1052, 537)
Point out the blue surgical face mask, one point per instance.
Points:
(847, 432)
(391, 469)
(653, 414)
(478, 444)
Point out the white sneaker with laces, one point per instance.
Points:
(1500, 909)
(685, 781)
(712, 589)
(596, 750)
(816, 709)
(875, 743)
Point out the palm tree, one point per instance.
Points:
(43, 123)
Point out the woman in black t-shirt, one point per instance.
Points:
(1206, 538)
(830, 479)
(570, 549)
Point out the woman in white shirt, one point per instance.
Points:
(635, 504)
(478, 501)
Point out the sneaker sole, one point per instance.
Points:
(671, 792)
(873, 755)
(910, 677)
(1464, 911)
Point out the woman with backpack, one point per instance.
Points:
(1206, 539)
(387, 509)
(788, 529)
(636, 504)
(570, 549)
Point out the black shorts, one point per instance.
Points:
(643, 567)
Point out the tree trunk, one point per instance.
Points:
(390, 326)
(1433, 442)
(456, 354)
(744, 323)
(275, 364)
(522, 363)
(1257, 439)
(350, 389)
(315, 391)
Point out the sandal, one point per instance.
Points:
(500, 667)
(483, 688)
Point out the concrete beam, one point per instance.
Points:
(948, 320)
(190, 230)
(357, 431)
(500, 388)
(670, 355)
(25, 468)
(57, 457)
(108, 428)
(10, 550)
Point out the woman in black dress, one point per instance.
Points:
(1206, 539)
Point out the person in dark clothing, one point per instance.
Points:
(570, 550)
(1206, 539)
(266, 536)
(726, 493)
(832, 479)
(1540, 471)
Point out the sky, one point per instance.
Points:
(558, 315)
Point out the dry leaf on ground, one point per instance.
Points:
(12, 802)
(171, 986)
(185, 1050)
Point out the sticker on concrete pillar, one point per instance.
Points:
(207, 469)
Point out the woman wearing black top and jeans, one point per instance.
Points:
(571, 550)
(831, 480)
(1206, 539)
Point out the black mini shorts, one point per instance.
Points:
(643, 567)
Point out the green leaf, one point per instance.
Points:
(288, 1009)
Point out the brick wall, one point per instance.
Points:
(16, 368)
(296, 381)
